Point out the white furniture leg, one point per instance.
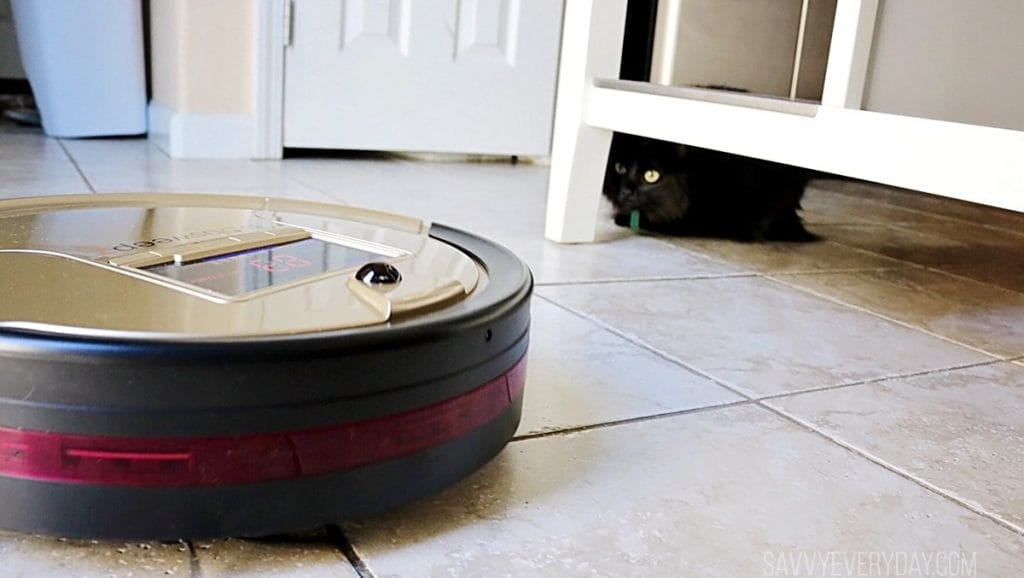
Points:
(592, 34)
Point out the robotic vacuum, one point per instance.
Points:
(192, 366)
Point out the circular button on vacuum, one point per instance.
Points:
(377, 274)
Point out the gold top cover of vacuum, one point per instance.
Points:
(163, 266)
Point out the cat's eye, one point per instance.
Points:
(651, 176)
(620, 168)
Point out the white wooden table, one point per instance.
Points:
(973, 163)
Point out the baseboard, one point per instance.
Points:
(201, 136)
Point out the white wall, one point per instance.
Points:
(202, 55)
(949, 60)
(202, 59)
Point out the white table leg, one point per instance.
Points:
(591, 48)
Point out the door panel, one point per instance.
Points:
(487, 30)
(466, 76)
(381, 24)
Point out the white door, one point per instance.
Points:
(461, 76)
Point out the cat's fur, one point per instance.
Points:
(701, 192)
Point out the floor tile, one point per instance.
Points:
(135, 165)
(483, 198)
(117, 152)
(823, 255)
(850, 202)
(26, 556)
(10, 128)
(626, 259)
(716, 493)
(966, 311)
(579, 374)
(30, 147)
(200, 176)
(1008, 275)
(364, 180)
(761, 336)
(272, 558)
(971, 234)
(987, 255)
(901, 243)
(962, 431)
(994, 255)
(37, 178)
(900, 200)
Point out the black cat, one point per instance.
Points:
(690, 191)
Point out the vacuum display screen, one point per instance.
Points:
(238, 273)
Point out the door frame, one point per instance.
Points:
(271, 38)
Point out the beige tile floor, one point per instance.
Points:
(693, 407)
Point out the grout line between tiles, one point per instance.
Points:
(977, 509)
(648, 347)
(741, 275)
(664, 240)
(720, 260)
(809, 272)
(747, 397)
(193, 560)
(744, 402)
(882, 379)
(734, 389)
(631, 420)
(870, 253)
(74, 163)
(333, 197)
(652, 279)
(923, 212)
(960, 277)
(861, 309)
(348, 551)
(896, 263)
(987, 226)
(913, 265)
(328, 197)
(928, 268)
